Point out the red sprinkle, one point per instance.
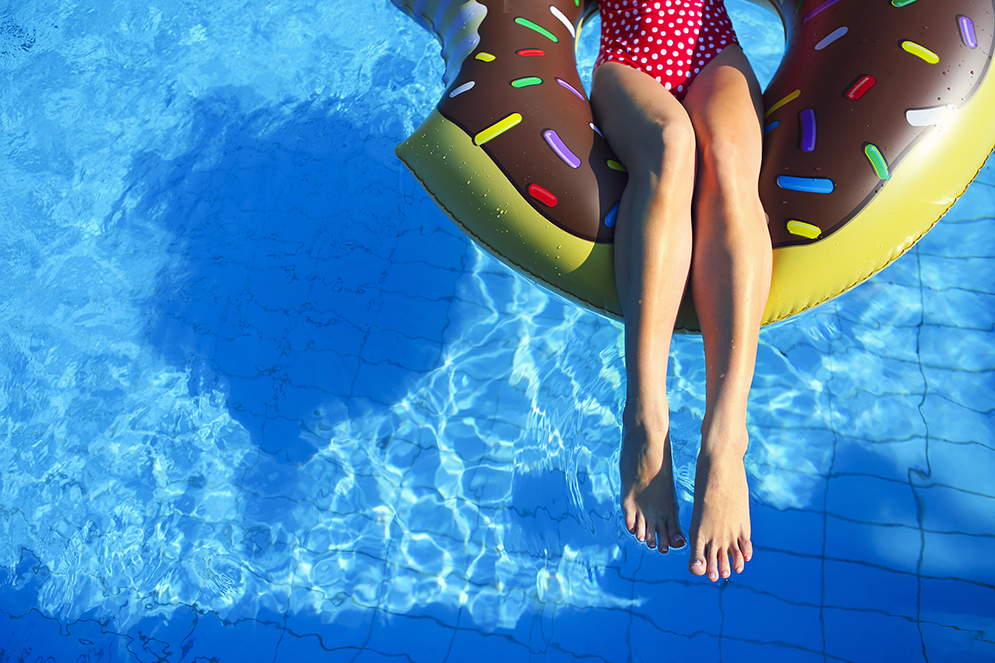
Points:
(543, 196)
(526, 52)
(860, 88)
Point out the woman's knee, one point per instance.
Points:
(726, 160)
(669, 145)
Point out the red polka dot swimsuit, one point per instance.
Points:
(671, 40)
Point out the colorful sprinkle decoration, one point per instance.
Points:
(612, 217)
(787, 100)
(806, 125)
(524, 22)
(860, 87)
(920, 51)
(542, 195)
(497, 128)
(562, 151)
(877, 161)
(802, 229)
(526, 82)
(806, 184)
(967, 33)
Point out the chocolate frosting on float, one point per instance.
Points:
(882, 60)
(538, 154)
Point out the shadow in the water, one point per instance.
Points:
(274, 291)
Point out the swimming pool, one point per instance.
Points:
(262, 401)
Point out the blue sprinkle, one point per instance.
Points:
(806, 184)
(611, 218)
(772, 125)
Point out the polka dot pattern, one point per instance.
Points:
(671, 40)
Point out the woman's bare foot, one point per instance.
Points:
(720, 526)
(648, 487)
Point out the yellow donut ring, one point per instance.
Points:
(878, 120)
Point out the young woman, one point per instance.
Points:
(680, 105)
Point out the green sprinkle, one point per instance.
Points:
(877, 161)
(538, 28)
(527, 81)
(902, 3)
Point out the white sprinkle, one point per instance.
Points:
(461, 89)
(563, 19)
(924, 117)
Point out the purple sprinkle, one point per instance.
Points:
(807, 139)
(571, 88)
(967, 31)
(825, 5)
(561, 150)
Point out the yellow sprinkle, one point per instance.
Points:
(921, 51)
(497, 128)
(486, 57)
(803, 229)
(788, 99)
(615, 165)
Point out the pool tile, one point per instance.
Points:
(968, 467)
(880, 417)
(950, 271)
(417, 638)
(421, 280)
(953, 555)
(958, 307)
(870, 636)
(957, 643)
(470, 644)
(881, 502)
(793, 579)
(889, 460)
(966, 349)
(953, 604)
(787, 531)
(971, 390)
(950, 510)
(324, 369)
(971, 426)
(892, 301)
(895, 547)
(414, 318)
(653, 642)
(600, 632)
(414, 354)
(442, 246)
(691, 605)
(746, 615)
(246, 640)
(734, 649)
(855, 586)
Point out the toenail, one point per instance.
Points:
(697, 563)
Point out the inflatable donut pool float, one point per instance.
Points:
(878, 118)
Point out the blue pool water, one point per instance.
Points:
(261, 401)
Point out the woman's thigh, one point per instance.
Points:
(644, 124)
(725, 105)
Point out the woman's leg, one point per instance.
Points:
(651, 133)
(730, 281)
